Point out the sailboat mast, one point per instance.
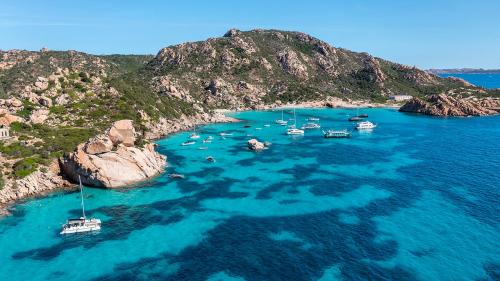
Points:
(81, 194)
(294, 118)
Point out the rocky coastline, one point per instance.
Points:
(63, 174)
(446, 105)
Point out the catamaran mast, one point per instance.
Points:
(81, 194)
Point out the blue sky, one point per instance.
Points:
(424, 33)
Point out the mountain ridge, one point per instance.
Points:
(56, 100)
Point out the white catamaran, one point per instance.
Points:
(82, 224)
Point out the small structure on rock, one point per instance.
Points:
(4, 132)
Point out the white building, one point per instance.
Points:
(400, 97)
(4, 132)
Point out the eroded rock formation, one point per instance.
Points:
(444, 105)
(113, 159)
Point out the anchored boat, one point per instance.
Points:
(281, 121)
(336, 134)
(82, 224)
(310, 126)
(292, 130)
(365, 125)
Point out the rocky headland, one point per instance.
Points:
(445, 105)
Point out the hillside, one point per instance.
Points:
(53, 101)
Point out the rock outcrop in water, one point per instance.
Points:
(113, 160)
(445, 105)
(254, 144)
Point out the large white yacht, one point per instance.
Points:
(365, 125)
(82, 224)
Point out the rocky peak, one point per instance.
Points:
(233, 32)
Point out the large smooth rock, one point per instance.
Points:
(122, 132)
(98, 144)
(111, 160)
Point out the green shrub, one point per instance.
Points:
(26, 166)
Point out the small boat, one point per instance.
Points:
(312, 119)
(258, 128)
(247, 126)
(355, 118)
(292, 130)
(82, 224)
(364, 115)
(176, 176)
(188, 143)
(224, 134)
(281, 121)
(202, 148)
(210, 159)
(310, 126)
(336, 134)
(365, 125)
(267, 125)
(194, 135)
(207, 140)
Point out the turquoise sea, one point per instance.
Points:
(486, 80)
(418, 198)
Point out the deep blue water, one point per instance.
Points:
(416, 199)
(489, 81)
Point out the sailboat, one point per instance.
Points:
(82, 224)
(281, 121)
(292, 130)
(193, 135)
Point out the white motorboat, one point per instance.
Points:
(312, 119)
(188, 143)
(310, 126)
(82, 224)
(294, 131)
(224, 134)
(365, 125)
(207, 140)
(267, 125)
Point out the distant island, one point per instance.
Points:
(463, 71)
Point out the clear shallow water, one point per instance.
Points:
(416, 199)
(489, 81)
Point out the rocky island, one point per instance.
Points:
(73, 114)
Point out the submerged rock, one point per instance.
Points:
(112, 160)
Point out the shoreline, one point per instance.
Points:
(163, 129)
